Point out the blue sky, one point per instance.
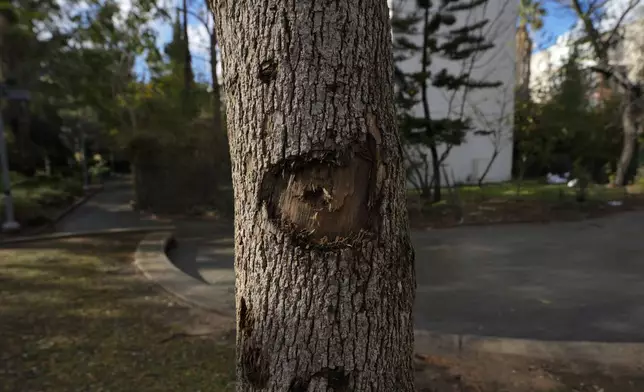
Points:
(560, 20)
(556, 22)
(198, 46)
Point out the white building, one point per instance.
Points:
(489, 109)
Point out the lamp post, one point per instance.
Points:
(10, 223)
(83, 152)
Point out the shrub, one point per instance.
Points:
(26, 209)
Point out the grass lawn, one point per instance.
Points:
(76, 317)
(535, 190)
(528, 201)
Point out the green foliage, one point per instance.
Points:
(567, 125)
(531, 13)
(37, 199)
(83, 82)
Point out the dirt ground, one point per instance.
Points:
(498, 211)
(503, 373)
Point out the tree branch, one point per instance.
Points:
(631, 5)
(200, 18)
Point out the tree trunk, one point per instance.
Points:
(436, 168)
(187, 61)
(629, 125)
(324, 265)
(495, 154)
(523, 53)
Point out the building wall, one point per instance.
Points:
(489, 109)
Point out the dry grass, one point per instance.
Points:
(75, 316)
(532, 202)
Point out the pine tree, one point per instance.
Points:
(178, 53)
(175, 48)
(441, 35)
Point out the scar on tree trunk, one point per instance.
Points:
(327, 198)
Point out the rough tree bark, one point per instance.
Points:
(631, 123)
(324, 265)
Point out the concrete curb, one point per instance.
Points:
(152, 261)
(92, 233)
(628, 357)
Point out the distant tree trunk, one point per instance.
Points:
(436, 168)
(524, 54)
(187, 64)
(631, 117)
(216, 91)
(323, 260)
(495, 155)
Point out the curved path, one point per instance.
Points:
(562, 281)
(580, 281)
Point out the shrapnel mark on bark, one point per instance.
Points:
(255, 365)
(337, 380)
(326, 199)
(267, 70)
(245, 319)
(267, 125)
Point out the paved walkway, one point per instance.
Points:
(109, 209)
(561, 281)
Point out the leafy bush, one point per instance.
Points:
(565, 131)
(26, 209)
(35, 198)
(50, 197)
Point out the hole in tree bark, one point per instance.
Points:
(255, 366)
(313, 195)
(267, 70)
(337, 380)
(245, 319)
(298, 385)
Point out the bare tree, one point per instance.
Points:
(497, 127)
(603, 30)
(187, 62)
(323, 260)
(632, 118)
(208, 24)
